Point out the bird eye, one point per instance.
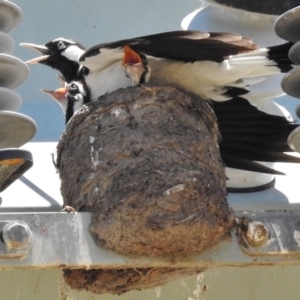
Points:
(61, 45)
(73, 86)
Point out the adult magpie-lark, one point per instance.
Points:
(208, 64)
(219, 67)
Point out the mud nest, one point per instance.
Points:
(145, 162)
(119, 281)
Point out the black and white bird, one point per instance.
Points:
(60, 54)
(211, 65)
(77, 94)
(70, 97)
(74, 95)
(248, 134)
(136, 67)
(219, 67)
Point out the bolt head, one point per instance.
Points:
(17, 235)
(257, 234)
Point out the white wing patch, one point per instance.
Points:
(64, 40)
(104, 59)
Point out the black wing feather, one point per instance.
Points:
(187, 46)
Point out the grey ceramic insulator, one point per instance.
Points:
(291, 83)
(294, 140)
(294, 53)
(288, 24)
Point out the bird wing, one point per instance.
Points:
(187, 46)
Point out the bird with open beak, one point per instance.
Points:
(217, 66)
(136, 67)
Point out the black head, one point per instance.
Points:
(77, 95)
(60, 54)
(59, 44)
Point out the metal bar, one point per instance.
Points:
(63, 240)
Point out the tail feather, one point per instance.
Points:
(258, 154)
(247, 165)
(265, 61)
(250, 136)
(278, 51)
(264, 145)
(279, 54)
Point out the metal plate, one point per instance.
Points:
(64, 240)
(284, 235)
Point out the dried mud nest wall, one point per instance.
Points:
(146, 163)
(119, 281)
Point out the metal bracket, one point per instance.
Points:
(55, 240)
(273, 234)
(15, 240)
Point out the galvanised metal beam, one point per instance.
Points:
(56, 240)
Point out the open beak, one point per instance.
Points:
(130, 57)
(59, 94)
(39, 48)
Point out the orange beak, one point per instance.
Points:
(59, 94)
